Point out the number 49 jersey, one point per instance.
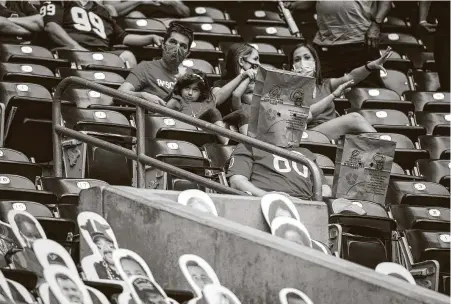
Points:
(271, 172)
(91, 25)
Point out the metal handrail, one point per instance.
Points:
(142, 160)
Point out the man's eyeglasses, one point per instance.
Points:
(253, 65)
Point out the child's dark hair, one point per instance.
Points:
(193, 76)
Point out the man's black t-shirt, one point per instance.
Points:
(17, 9)
(91, 25)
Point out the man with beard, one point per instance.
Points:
(69, 289)
(105, 269)
(154, 80)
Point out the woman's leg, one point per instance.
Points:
(352, 122)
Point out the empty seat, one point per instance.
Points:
(426, 81)
(406, 153)
(268, 53)
(396, 81)
(204, 66)
(264, 17)
(400, 42)
(169, 128)
(436, 171)
(437, 146)
(325, 163)
(268, 34)
(202, 49)
(375, 98)
(434, 123)
(430, 101)
(109, 79)
(31, 54)
(101, 61)
(212, 12)
(143, 26)
(33, 73)
(395, 24)
(392, 121)
(14, 187)
(213, 32)
(417, 193)
(421, 218)
(426, 245)
(398, 173)
(15, 162)
(84, 98)
(317, 142)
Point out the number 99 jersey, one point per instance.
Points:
(91, 25)
(270, 172)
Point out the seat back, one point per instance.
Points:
(437, 146)
(35, 209)
(106, 78)
(421, 218)
(83, 59)
(435, 123)
(84, 98)
(419, 193)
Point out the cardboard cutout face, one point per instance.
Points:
(66, 286)
(197, 272)
(291, 230)
(145, 291)
(216, 294)
(274, 205)
(129, 263)
(49, 252)
(278, 115)
(25, 227)
(293, 296)
(198, 200)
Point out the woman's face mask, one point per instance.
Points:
(305, 67)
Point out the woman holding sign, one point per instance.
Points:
(322, 116)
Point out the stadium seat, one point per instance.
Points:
(33, 73)
(261, 17)
(395, 24)
(317, 142)
(219, 154)
(400, 42)
(268, 53)
(430, 101)
(14, 187)
(84, 98)
(366, 238)
(212, 32)
(108, 79)
(421, 218)
(417, 193)
(437, 146)
(31, 54)
(396, 81)
(437, 171)
(398, 173)
(406, 153)
(25, 277)
(426, 245)
(99, 61)
(68, 190)
(205, 50)
(278, 35)
(15, 162)
(204, 66)
(434, 123)
(168, 128)
(85, 161)
(392, 121)
(426, 81)
(325, 163)
(375, 98)
(424, 61)
(397, 61)
(143, 26)
(216, 14)
(177, 153)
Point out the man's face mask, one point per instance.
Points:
(306, 68)
(174, 53)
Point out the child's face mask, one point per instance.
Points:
(305, 67)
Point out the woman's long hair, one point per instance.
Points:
(194, 76)
(236, 50)
(319, 77)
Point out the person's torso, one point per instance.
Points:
(159, 81)
(274, 173)
(91, 26)
(17, 9)
(321, 92)
(196, 109)
(342, 22)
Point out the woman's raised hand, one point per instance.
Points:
(343, 88)
(250, 73)
(378, 64)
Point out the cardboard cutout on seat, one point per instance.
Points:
(25, 227)
(145, 291)
(129, 263)
(94, 228)
(292, 230)
(197, 272)
(198, 200)
(276, 204)
(49, 252)
(293, 296)
(217, 294)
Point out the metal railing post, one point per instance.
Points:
(140, 147)
(57, 142)
(139, 102)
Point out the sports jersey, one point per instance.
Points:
(152, 77)
(17, 9)
(270, 172)
(91, 25)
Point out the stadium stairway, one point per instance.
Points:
(252, 263)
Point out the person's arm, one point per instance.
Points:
(299, 5)
(9, 27)
(174, 104)
(60, 37)
(175, 7)
(31, 23)
(238, 93)
(142, 40)
(374, 31)
(423, 16)
(123, 8)
(242, 183)
(223, 93)
(360, 73)
(128, 88)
